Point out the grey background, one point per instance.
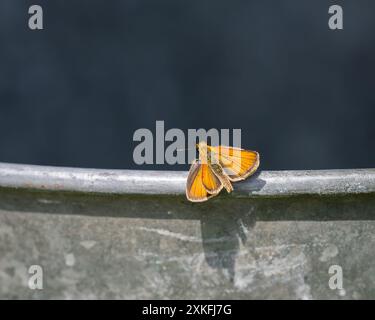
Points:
(74, 93)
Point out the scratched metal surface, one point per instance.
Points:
(265, 183)
(271, 239)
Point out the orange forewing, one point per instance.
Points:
(210, 181)
(238, 164)
(202, 183)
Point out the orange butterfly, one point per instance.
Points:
(216, 168)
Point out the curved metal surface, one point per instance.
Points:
(260, 242)
(265, 183)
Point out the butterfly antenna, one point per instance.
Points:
(184, 149)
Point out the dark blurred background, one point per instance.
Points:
(74, 93)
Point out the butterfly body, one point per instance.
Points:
(216, 168)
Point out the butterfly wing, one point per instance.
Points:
(210, 181)
(202, 183)
(238, 164)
